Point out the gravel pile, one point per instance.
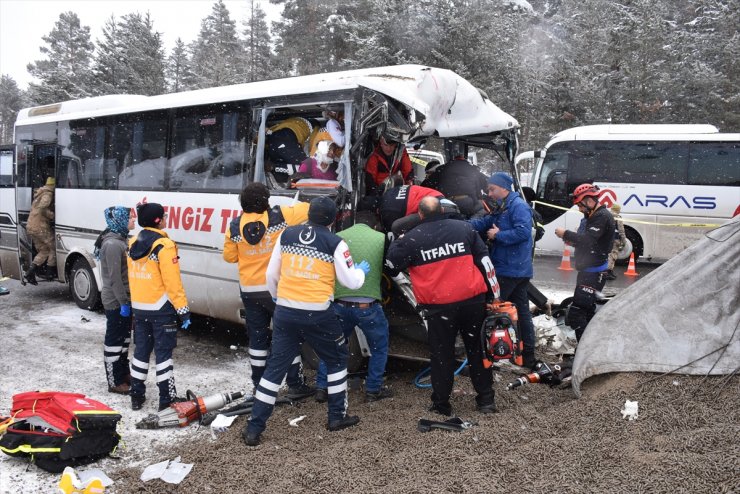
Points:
(541, 440)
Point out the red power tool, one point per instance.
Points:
(500, 335)
(186, 412)
(542, 373)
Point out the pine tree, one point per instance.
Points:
(258, 52)
(217, 53)
(65, 73)
(303, 35)
(11, 100)
(131, 57)
(178, 70)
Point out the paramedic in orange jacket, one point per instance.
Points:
(249, 242)
(304, 265)
(158, 299)
(378, 168)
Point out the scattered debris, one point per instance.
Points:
(220, 424)
(172, 472)
(84, 319)
(629, 410)
(294, 422)
(455, 424)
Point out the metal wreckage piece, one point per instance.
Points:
(183, 413)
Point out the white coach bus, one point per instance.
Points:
(194, 151)
(674, 182)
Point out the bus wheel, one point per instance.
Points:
(354, 362)
(82, 285)
(634, 245)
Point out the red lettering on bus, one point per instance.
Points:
(174, 216)
(187, 218)
(205, 226)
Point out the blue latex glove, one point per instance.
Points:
(364, 266)
(185, 321)
(125, 310)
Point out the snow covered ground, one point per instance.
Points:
(50, 344)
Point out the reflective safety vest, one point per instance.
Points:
(251, 238)
(154, 274)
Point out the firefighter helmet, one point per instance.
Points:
(583, 191)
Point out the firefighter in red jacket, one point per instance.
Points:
(387, 160)
(399, 206)
(158, 299)
(452, 276)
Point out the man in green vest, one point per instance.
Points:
(362, 307)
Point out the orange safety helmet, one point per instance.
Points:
(583, 191)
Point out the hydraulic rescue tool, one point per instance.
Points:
(542, 373)
(186, 412)
(500, 335)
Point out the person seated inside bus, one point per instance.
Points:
(399, 205)
(323, 163)
(431, 174)
(285, 146)
(332, 130)
(463, 183)
(386, 160)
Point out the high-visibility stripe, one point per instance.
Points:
(95, 412)
(268, 385)
(337, 388)
(257, 353)
(253, 288)
(164, 377)
(141, 376)
(294, 304)
(111, 359)
(156, 305)
(297, 360)
(164, 365)
(113, 349)
(254, 362)
(138, 363)
(265, 398)
(337, 375)
(27, 448)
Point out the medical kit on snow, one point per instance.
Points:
(57, 429)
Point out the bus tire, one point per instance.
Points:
(635, 241)
(354, 362)
(82, 285)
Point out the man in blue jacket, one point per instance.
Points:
(509, 232)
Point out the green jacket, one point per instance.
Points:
(364, 244)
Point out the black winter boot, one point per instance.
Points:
(30, 275)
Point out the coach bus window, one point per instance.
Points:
(648, 162)
(6, 168)
(714, 164)
(137, 146)
(208, 149)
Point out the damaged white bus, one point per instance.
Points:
(194, 151)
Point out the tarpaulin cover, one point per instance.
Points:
(685, 312)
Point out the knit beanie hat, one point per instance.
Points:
(149, 214)
(322, 211)
(502, 179)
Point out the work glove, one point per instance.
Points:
(125, 310)
(185, 318)
(364, 266)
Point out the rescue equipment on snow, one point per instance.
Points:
(183, 413)
(500, 335)
(56, 429)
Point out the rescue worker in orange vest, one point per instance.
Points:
(158, 299)
(300, 276)
(249, 242)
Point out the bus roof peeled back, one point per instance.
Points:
(452, 107)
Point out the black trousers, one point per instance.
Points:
(583, 307)
(443, 326)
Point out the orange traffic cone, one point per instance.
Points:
(631, 267)
(565, 263)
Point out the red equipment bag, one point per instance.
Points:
(57, 429)
(500, 335)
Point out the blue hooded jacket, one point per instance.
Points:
(511, 250)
